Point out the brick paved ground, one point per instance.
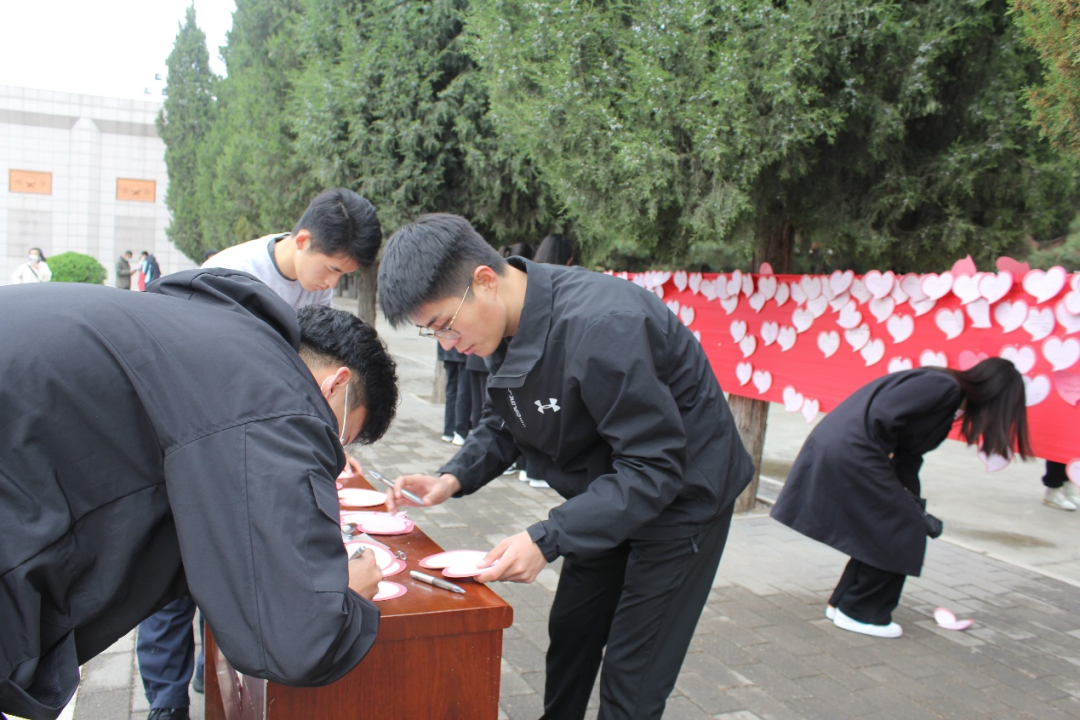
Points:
(763, 648)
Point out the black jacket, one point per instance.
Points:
(851, 486)
(613, 402)
(142, 430)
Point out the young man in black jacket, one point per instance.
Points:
(614, 403)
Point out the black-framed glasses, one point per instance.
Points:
(445, 332)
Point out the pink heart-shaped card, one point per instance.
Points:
(465, 570)
(393, 568)
(389, 590)
(452, 558)
(379, 524)
(359, 497)
(383, 558)
(946, 619)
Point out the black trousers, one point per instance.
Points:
(478, 392)
(1055, 476)
(868, 594)
(456, 416)
(642, 601)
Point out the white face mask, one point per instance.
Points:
(34, 259)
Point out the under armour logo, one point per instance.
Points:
(553, 405)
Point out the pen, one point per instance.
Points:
(357, 552)
(411, 496)
(436, 582)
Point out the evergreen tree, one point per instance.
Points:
(1052, 27)
(183, 124)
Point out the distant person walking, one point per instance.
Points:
(123, 271)
(34, 270)
(149, 270)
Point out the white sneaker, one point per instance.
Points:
(447, 438)
(1072, 492)
(457, 439)
(523, 476)
(830, 612)
(842, 621)
(533, 482)
(1059, 498)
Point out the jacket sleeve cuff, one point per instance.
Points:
(539, 535)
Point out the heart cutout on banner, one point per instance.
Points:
(879, 284)
(1040, 323)
(1022, 357)
(658, 291)
(923, 306)
(1067, 385)
(762, 381)
(720, 284)
(687, 315)
(898, 295)
(673, 306)
(839, 302)
(946, 620)
(994, 287)
(730, 303)
(859, 292)
(828, 342)
(738, 330)
(802, 319)
(747, 285)
(1062, 354)
(966, 287)
(735, 282)
(817, 306)
(929, 358)
(979, 312)
(950, 322)
(1011, 315)
(748, 345)
(798, 294)
(708, 290)
(810, 409)
(858, 337)
(786, 338)
(900, 327)
(873, 351)
(811, 285)
(1066, 319)
(993, 463)
(1072, 471)
(882, 308)
(793, 400)
(964, 267)
(1036, 389)
(899, 364)
(841, 281)
(694, 282)
(767, 287)
(743, 372)
(936, 286)
(1017, 269)
(1045, 286)
(782, 294)
(757, 301)
(969, 359)
(1072, 302)
(769, 332)
(679, 279)
(827, 291)
(765, 269)
(849, 317)
(697, 335)
(911, 285)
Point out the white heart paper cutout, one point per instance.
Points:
(810, 409)
(687, 315)
(858, 337)
(850, 317)
(1044, 286)
(798, 294)
(882, 308)
(899, 364)
(841, 281)
(747, 345)
(769, 332)
(859, 292)
(873, 351)
(762, 381)
(1074, 282)
(879, 283)
(679, 279)
(734, 286)
(1068, 320)
(994, 287)
(747, 285)
(828, 342)
(950, 322)
(802, 319)
(708, 290)
(810, 285)
(839, 302)
(1072, 471)
(786, 338)
(658, 291)
(730, 303)
(1022, 357)
(979, 312)
(946, 620)
(720, 284)
(744, 371)
(1010, 315)
(1036, 389)
(1040, 323)
(936, 286)
(923, 306)
(793, 400)
(782, 294)
(826, 289)
(900, 327)
(738, 330)
(757, 301)
(966, 287)
(898, 295)
(912, 285)
(1072, 302)
(929, 358)
(993, 463)
(697, 335)
(694, 282)
(1062, 354)
(767, 287)
(817, 305)
(673, 306)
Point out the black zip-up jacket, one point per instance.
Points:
(612, 401)
(142, 434)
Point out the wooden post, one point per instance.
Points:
(367, 283)
(438, 386)
(751, 418)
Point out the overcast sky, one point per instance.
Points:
(101, 47)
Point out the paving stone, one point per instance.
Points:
(110, 671)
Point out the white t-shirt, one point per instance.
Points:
(257, 258)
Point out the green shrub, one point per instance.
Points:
(76, 267)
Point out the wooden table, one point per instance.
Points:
(437, 655)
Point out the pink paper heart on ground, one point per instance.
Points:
(966, 287)
(858, 337)
(769, 331)
(993, 463)
(1040, 323)
(1036, 389)
(810, 409)
(1062, 354)
(950, 322)
(994, 287)
(679, 279)
(850, 317)
(937, 286)
(923, 306)
(738, 330)
(1072, 471)
(1067, 385)
(1022, 357)
(786, 338)
(882, 308)
(964, 267)
(1044, 286)
(782, 294)
(767, 287)
(762, 381)
(802, 319)
(748, 345)
(1067, 319)
(879, 283)
(793, 400)
(1017, 269)
(828, 342)
(969, 359)
(947, 620)
(687, 315)
(730, 303)
(873, 351)
(841, 281)
(744, 371)
(929, 358)
(900, 327)
(899, 364)
(979, 312)
(1010, 315)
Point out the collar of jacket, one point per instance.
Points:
(527, 345)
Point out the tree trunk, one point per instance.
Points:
(438, 386)
(367, 284)
(751, 416)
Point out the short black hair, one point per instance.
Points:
(430, 259)
(329, 336)
(555, 249)
(342, 222)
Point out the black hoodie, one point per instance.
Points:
(142, 434)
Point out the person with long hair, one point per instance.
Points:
(34, 270)
(855, 484)
(555, 249)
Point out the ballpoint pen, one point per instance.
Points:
(411, 496)
(357, 552)
(437, 582)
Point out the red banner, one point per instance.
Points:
(809, 341)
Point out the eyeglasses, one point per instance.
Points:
(445, 332)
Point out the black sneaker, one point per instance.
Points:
(197, 684)
(168, 714)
